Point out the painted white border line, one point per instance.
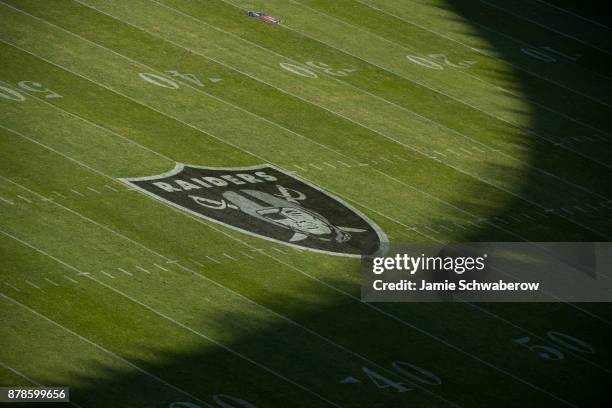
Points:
(231, 144)
(574, 14)
(198, 333)
(333, 150)
(249, 300)
(96, 345)
(259, 157)
(187, 124)
(489, 55)
(22, 375)
(522, 17)
(391, 316)
(333, 287)
(463, 72)
(239, 148)
(7, 201)
(143, 269)
(125, 272)
(288, 93)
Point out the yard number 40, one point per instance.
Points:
(412, 373)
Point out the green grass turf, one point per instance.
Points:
(509, 149)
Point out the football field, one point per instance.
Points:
(437, 120)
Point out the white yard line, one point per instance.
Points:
(574, 14)
(125, 272)
(212, 259)
(534, 335)
(70, 279)
(440, 92)
(464, 72)
(7, 201)
(431, 229)
(580, 209)
(31, 284)
(439, 154)
(248, 152)
(218, 344)
(22, 375)
(353, 297)
(453, 152)
(15, 288)
(143, 269)
(229, 257)
(488, 55)
(248, 255)
(336, 113)
(500, 219)
(94, 344)
(196, 274)
(166, 317)
(187, 125)
(561, 33)
(460, 225)
(509, 156)
(161, 267)
(336, 289)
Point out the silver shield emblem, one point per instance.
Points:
(269, 203)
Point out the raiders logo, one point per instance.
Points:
(268, 203)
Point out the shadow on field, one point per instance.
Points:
(300, 356)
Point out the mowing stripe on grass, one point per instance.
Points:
(379, 310)
(22, 375)
(88, 341)
(574, 14)
(283, 317)
(494, 57)
(202, 335)
(505, 10)
(233, 145)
